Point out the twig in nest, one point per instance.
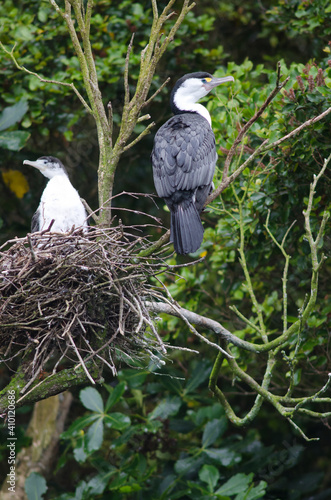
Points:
(80, 358)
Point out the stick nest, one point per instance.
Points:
(76, 297)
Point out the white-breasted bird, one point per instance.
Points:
(184, 158)
(60, 201)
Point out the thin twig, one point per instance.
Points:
(80, 359)
(140, 136)
(126, 73)
(46, 80)
(250, 122)
(146, 103)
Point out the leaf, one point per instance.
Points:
(115, 395)
(14, 140)
(224, 456)
(98, 483)
(80, 490)
(253, 494)
(117, 421)
(118, 482)
(181, 425)
(133, 378)
(236, 484)
(199, 375)
(13, 114)
(167, 484)
(79, 452)
(126, 436)
(189, 464)
(212, 431)
(182, 492)
(35, 486)
(94, 436)
(207, 413)
(258, 195)
(16, 182)
(138, 397)
(169, 406)
(91, 399)
(172, 385)
(79, 424)
(210, 475)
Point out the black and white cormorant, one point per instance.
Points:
(60, 201)
(184, 158)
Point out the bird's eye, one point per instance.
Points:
(206, 80)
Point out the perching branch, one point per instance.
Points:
(218, 329)
(191, 318)
(201, 321)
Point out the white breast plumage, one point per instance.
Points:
(60, 201)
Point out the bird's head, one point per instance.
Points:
(192, 87)
(48, 166)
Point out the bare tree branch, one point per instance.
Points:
(10, 53)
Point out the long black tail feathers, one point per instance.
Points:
(186, 229)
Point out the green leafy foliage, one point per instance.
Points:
(13, 140)
(151, 443)
(304, 18)
(90, 441)
(189, 452)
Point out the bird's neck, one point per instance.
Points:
(187, 105)
(56, 175)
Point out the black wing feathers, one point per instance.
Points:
(184, 154)
(184, 158)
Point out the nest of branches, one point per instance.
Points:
(76, 298)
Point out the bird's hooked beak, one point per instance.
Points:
(214, 82)
(36, 164)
